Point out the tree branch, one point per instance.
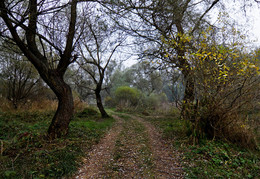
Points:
(65, 58)
(202, 16)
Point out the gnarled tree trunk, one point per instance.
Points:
(60, 122)
(51, 74)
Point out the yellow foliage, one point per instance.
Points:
(217, 63)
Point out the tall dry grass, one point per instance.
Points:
(41, 105)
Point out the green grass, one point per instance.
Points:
(27, 154)
(210, 159)
(216, 159)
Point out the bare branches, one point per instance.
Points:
(32, 28)
(202, 16)
(66, 56)
(16, 37)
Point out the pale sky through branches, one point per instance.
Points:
(246, 17)
(256, 25)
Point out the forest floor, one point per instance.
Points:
(133, 148)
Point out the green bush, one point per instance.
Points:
(126, 96)
(155, 100)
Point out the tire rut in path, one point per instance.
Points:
(93, 165)
(166, 159)
(132, 154)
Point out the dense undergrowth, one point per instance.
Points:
(25, 152)
(211, 158)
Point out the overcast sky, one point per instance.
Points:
(256, 24)
(247, 17)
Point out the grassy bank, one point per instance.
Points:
(210, 159)
(25, 152)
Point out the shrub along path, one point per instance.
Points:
(133, 148)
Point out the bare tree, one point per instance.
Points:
(98, 45)
(52, 24)
(19, 77)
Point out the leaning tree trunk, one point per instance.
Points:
(60, 123)
(100, 104)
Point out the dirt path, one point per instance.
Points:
(101, 153)
(132, 149)
(132, 156)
